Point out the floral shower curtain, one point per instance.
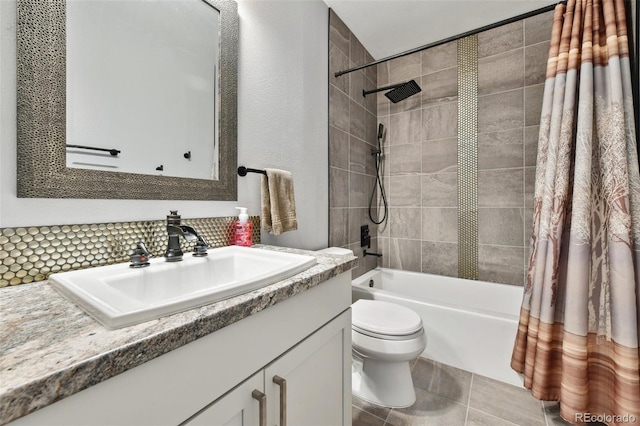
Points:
(577, 340)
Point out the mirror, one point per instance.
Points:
(45, 129)
(142, 90)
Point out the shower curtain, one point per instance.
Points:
(577, 340)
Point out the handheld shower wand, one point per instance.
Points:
(378, 184)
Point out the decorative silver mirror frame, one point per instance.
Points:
(41, 118)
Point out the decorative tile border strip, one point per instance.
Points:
(32, 253)
(468, 157)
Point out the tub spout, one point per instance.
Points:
(366, 253)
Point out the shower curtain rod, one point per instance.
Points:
(453, 38)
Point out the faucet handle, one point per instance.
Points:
(140, 257)
(200, 249)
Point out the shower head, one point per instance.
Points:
(380, 130)
(403, 91)
(397, 92)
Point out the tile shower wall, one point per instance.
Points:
(421, 153)
(420, 150)
(352, 136)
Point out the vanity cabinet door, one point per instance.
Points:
(238, 407)
(311, 383)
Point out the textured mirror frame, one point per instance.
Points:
(41, 118)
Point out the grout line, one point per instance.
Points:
(466, 416)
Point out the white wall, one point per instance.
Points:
(282, 123)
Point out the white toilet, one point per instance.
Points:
(386, 337)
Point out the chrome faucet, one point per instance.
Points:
(175, 230)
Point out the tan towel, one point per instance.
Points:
(278, 202)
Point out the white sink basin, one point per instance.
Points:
(118, 296)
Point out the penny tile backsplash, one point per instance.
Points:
(29, 254)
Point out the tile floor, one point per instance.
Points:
(447, 396)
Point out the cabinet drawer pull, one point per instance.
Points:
(262, 400)
(283, 399)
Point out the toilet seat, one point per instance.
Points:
(384, 320)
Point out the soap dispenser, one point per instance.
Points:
(243, 229)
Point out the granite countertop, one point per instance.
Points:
(50, 349)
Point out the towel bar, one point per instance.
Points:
(242, 171)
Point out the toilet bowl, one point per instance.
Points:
(385, 338)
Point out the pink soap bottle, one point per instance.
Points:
(242, 229)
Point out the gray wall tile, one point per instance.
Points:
(501, 111)
(383, 74)
(359, 154)
(440, 224)
(339, 111)
(357, 51)
(531, 145)
(405, 127)
(339, 229)
(339, 182)
(404, 191)
(440, 258)
(502, 72)
(404, 68)
(440, 121)
(383, 247)
(338, 61)
(339, 33)
(370, 101)
(338, 148)
(356, 119)
(529, 186)
(501, 264)
(357, 193)
(500, 39)
(372, 71)
(439, 86)
(440, 156)
(440, 190)
(406, 159)
(357, 81)
(499, 150)
(404, 254)
(440, 57)
(538, 28)
(405, 222)
(533, 104)
(501, 188)
(535, 68)
(370, 131)
(501, 226)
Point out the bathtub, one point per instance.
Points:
(469, 324)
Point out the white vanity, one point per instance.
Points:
(277, 355)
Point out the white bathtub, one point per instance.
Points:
(469, 324)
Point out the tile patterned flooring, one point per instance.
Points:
(447, 396)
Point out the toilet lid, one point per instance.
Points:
(388, 319)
